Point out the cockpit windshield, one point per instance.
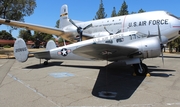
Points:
(172, 15)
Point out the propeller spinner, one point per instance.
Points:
(80, 29)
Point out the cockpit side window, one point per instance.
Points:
(134, 36)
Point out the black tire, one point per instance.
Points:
(137, 69)
(45, 62)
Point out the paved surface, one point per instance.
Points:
(79, 83)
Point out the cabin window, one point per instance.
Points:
(120, 40)
(133, 36)
(109, 41)
(130, 37)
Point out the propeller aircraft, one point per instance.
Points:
(127, 39)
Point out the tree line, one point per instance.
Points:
(101, 14)
(17, 10)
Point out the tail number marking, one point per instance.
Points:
(21, 49)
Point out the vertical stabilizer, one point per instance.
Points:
(20, 50)
(50, 45)
(64, 21)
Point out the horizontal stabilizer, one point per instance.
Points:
(20, 50)
(42, 55)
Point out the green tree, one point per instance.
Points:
(57, 23)
(42, 37)
(47, 37)
(25, 34)
(171, 45)
(114, 12)
(141, 11)
(16, 9)
(133, 12)
(123, 10)
(174, 44)
(100, 14)
(6, 36)
(177, 44)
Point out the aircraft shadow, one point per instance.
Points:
(83, 66)
(39, 66)
(159, 72)
(113, 78)
(120, 80)
(170, 56)
(117, 79)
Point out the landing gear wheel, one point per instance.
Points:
(45, 62)
(140, 69)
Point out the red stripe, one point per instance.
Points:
(176, 26)
(124, 22)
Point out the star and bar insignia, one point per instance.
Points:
(64, 52)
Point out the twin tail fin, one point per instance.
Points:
(21, 52)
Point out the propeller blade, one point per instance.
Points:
(88, 26)
(80, 34)
(162, 57)
(108, 31)
(159, 34)
(119, 31)
(73, 23)
(161, 45)
(149, 33)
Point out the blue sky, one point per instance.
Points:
(47, 12)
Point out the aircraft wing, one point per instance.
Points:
(105, 51)
(40, 28)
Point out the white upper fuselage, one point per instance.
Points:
(142, 22)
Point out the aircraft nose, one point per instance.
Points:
(176, 24)
(178, 27)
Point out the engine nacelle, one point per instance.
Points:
(149, 47)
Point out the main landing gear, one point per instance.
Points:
(46, 62)
(140, 69)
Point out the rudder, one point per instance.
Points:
(64, 20)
